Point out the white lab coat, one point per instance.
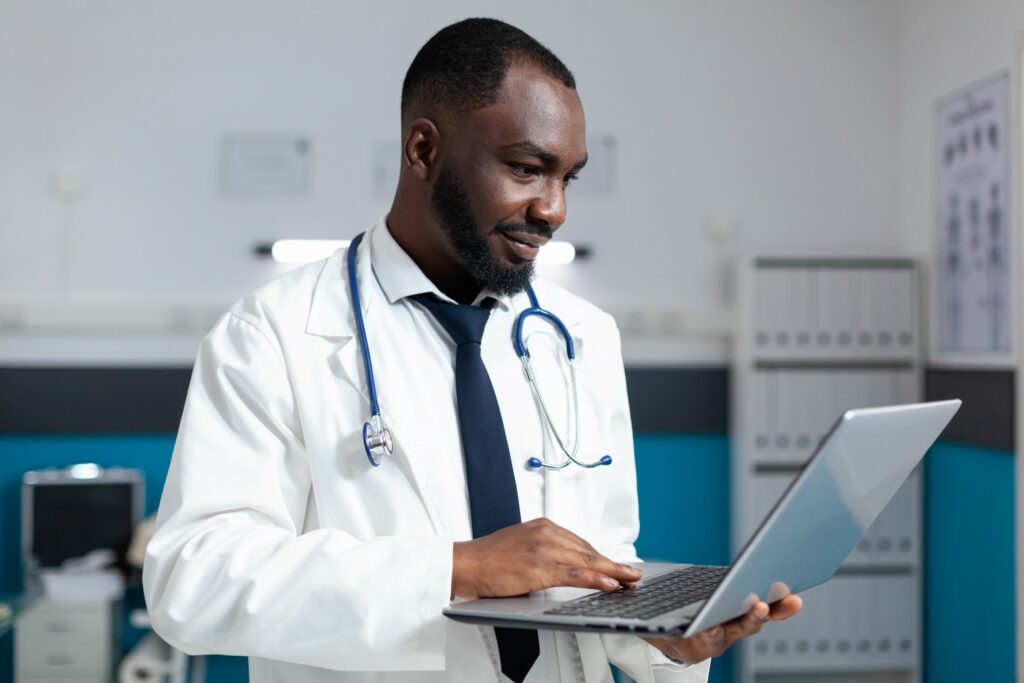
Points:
(278, 541)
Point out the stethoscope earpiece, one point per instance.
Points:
(537, 463)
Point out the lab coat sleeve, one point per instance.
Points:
(229, 570)
(620, 526)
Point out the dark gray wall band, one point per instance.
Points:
(150, 400)
(986, 417)
(92, 400)
(679, 399)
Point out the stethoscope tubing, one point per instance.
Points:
(357, 311)
(377, 438)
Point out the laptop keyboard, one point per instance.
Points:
(670, 591)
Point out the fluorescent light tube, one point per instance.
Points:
(556, 254)
(305, 251)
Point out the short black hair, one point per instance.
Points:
(461, 68)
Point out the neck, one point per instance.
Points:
(418, 232)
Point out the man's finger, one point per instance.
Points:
(596, 562)
(749, 624)
(623, 573)
(595, 558)
(578, 577)
(786, 607)
(713, 641)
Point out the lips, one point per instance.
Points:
(524, 245)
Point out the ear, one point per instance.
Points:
(421, 147)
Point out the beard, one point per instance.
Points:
(451, 206)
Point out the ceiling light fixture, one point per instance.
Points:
(306, 251)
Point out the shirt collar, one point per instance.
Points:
(399, 276)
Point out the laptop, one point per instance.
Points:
(845, 484)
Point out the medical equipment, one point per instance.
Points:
(377, 437)
(68, 513)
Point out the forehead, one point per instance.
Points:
(536, 107)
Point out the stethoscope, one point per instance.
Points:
(377, 440)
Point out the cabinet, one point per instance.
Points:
(74, 642)
(815, 337)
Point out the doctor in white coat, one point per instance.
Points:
(278, 540)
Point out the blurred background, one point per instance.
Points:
(794, 207)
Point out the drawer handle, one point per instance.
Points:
(59, 660)
(58, 627)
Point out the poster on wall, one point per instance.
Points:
(973, 282)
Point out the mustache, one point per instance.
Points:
(527, 228)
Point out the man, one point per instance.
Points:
(277, 538)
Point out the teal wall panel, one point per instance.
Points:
(969, 619)
(683, 484)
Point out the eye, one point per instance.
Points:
(569, 180)
(523, 171)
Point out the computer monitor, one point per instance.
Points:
(67, 513)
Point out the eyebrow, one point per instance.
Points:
(549, 158)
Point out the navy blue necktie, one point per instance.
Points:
(493, 498)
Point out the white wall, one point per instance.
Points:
(776, 117)
(944, 45)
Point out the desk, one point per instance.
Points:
(11, 605)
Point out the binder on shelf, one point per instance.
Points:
(762, 297)
(889, 300)
(771, 408)
(840, 301)
(864, 337)
(786, 400)
(826, 408)
(771, 296)
(803, 414)
(798, 281)
(878, 303)
(906, 312)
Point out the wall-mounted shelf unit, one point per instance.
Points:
(815, 337)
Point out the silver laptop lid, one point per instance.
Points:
(866, 457)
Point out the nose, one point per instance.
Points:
(548, 207)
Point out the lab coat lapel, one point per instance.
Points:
(407, 447)
(331, 315)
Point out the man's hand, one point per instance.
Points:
(531, 556)
(715, 641)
